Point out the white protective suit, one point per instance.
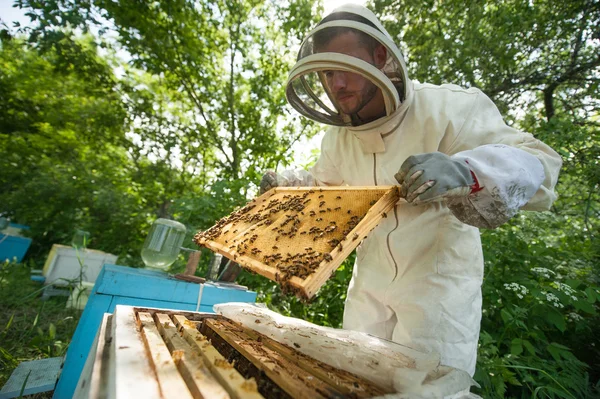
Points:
(417, 278)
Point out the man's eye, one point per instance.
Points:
(328, 74)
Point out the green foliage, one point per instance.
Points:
(540, 312)
(325, 309)
(90, 141)
(30, 328)
(58, 144)
(224, 63)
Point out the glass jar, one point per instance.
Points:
(163, 244)
(215, 265)
(80, 239)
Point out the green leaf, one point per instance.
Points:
(560, 351)
(516, 346)
(52, 331)
(500, 386)
(555, 318)
(529, 347)
(554, 351)
(510, 377)
(591, 294)
(9, 322)
(585, 306)
(573, 283)
(506, 316)
(559, 346)
(24, 384)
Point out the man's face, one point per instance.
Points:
(350, 90)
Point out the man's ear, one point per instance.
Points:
(380, 56)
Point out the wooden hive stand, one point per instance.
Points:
(299, 236)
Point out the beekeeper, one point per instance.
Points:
(417, 278)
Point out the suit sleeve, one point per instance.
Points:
(514, 170)
(325, 171)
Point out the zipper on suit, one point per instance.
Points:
(387, 240)
(375, 168)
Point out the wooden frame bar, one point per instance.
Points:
(233, 382)
(164, 367)
(198, 377)
(128, 347)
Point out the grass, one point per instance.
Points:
(30, 328)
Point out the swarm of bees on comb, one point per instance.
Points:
(292, 231)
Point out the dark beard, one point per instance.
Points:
(370, 94)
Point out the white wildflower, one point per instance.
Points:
(553, 299)
(564, 288)
(521, 290)
(542, 271)
(572, 316)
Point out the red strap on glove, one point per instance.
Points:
(475, 187)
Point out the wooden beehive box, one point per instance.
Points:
(157, 353)
(299, 236)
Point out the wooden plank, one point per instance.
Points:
(297, 382)
(129, 369)
(235, 384)
(347, 383)
(126, 282)
(153, 304)
(88, 384)
(101, 384)
(191, 279)
(80, 345)
(194, 316)
(197, 376)
(32, 377)
(298, 236)
(169, 379)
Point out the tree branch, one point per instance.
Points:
(233, 36)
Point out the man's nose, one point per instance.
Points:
(338, 81)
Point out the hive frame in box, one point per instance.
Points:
(160, 353)
(306, 288)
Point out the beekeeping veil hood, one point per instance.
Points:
(307, 87)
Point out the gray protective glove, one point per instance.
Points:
(434, 176)
(271, 180)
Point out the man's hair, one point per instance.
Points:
(323, 37)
